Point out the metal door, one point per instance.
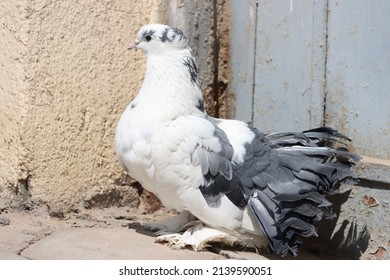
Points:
(302, 64)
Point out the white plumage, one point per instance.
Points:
(242, 183)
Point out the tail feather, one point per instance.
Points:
(289, 192)
(321, 133)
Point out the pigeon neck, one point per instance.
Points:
(172, 77)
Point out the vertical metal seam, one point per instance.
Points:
(325, 76)
(254, 63)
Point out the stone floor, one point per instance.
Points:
(112, 234)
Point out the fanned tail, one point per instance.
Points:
(287, 196)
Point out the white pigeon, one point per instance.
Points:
(240, 183)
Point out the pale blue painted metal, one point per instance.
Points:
(324, 63)
(243, 57)
(289, 75)
(358, 73)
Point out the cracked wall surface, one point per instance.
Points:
(66, 77)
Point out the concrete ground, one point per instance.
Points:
(360, 231)
(116, 233)
(113, 233)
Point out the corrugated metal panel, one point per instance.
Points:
(358, 73)
(290, 55)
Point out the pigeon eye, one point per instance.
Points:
(148, 38)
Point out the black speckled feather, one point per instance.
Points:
(190, 65)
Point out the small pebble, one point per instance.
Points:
(4, 221)
(56, 212)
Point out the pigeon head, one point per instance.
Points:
(155, 38)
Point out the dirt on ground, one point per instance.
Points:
(108, 233)
(90, 231)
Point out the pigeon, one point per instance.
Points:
(224, 177)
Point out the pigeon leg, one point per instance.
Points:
(172, 225)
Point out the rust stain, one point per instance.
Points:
(369, 201)
(215, 91)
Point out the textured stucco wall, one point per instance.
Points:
(63, 88)
(66, 77)
(81, 77)
(11, 94)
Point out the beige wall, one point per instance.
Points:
(62, 92)
(66, 77)
(12, 91)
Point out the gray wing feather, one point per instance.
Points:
(216, 166)
(281, 180)
(214, 163)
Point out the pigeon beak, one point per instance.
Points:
(133, 45)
